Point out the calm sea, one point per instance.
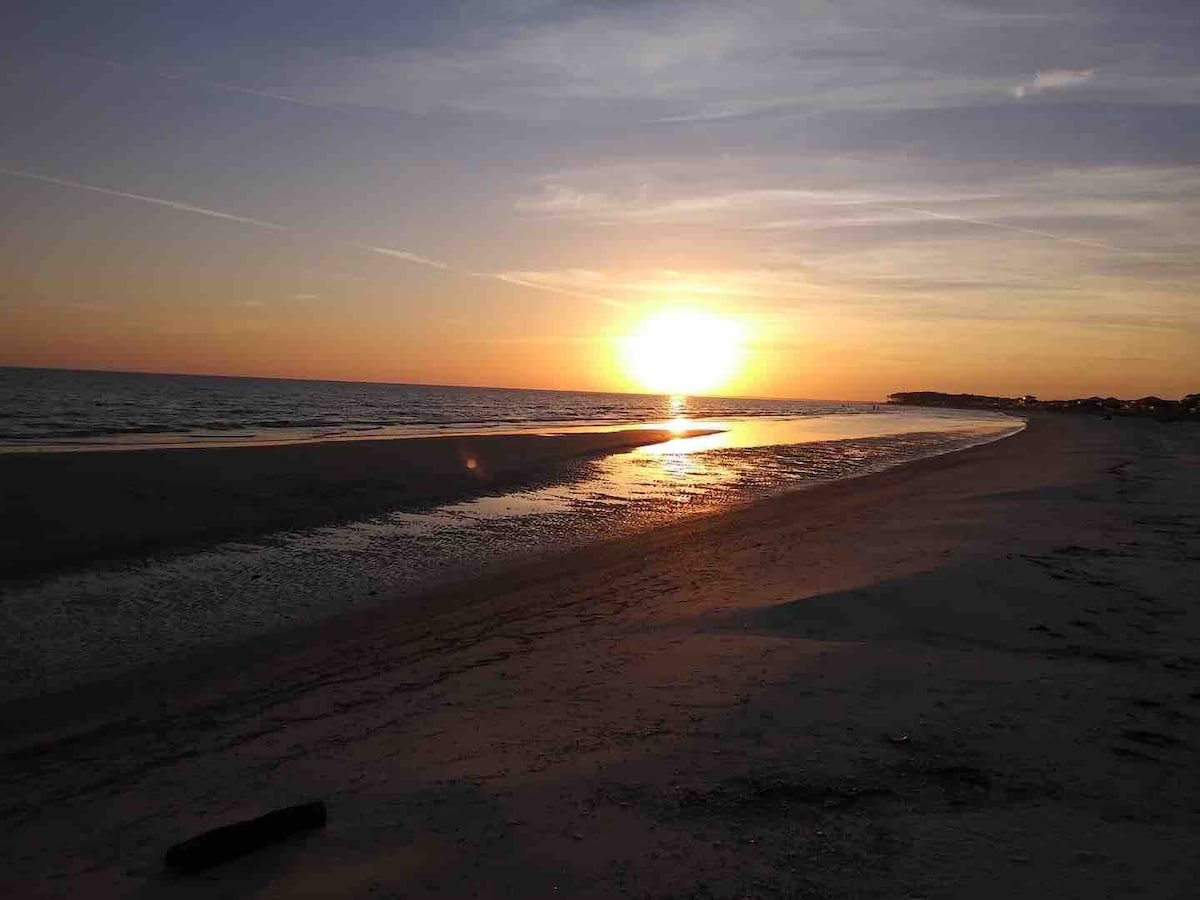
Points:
(50, 408)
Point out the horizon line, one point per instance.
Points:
(488, 387)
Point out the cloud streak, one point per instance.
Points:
(404, 255)
(539, 282)
(1035, 232)
(390, 252)
(688, 64)
(145, 198)
(209, 83)
(238, 89)
(1120, 210)
(1053, 80)
(666, 63)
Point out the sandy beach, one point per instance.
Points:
(976, 675)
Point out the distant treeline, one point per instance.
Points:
(1157, 407)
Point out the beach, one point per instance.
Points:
(976, 674)
(111, 560)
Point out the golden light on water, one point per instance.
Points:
(684, 352)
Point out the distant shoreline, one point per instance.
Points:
(1185, 409)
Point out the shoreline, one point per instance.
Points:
(90, 626)
(149, 442)
(66, 511)
(69, 511)
(198, 664)
(971, 675)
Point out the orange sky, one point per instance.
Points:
(499, 194)
(820, 357)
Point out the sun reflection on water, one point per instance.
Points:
(707, 469)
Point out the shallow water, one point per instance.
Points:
(70, 628)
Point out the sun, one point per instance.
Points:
(683, 351)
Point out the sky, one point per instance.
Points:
(884, 195)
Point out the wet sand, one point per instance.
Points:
(66, 510)
(974, 675)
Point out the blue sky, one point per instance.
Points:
(893, 193)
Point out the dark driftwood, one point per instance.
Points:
(231, 841)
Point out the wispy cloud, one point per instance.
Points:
(629, 288)
(210, 83)
(390, 252)
(572, 286)
(241, 89)
(406, 256)
(144, 198)
(1034, 232)
(1120, 210)
(697, 63)
(681, 63)
(534, 339)
(1054, 80)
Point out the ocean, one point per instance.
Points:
(81, 624)
(60, 409)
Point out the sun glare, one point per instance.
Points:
(683, 352)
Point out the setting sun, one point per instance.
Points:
(684, 352)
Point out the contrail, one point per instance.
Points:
(205, 82)
(238, 89)
(406, 255)
(595, 298)
(158, 201)
(214, 213)
(1067, 239)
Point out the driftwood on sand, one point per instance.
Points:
(231, 841)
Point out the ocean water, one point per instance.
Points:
(77, 626)
(58, 409)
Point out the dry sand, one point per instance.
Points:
(972, 676)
